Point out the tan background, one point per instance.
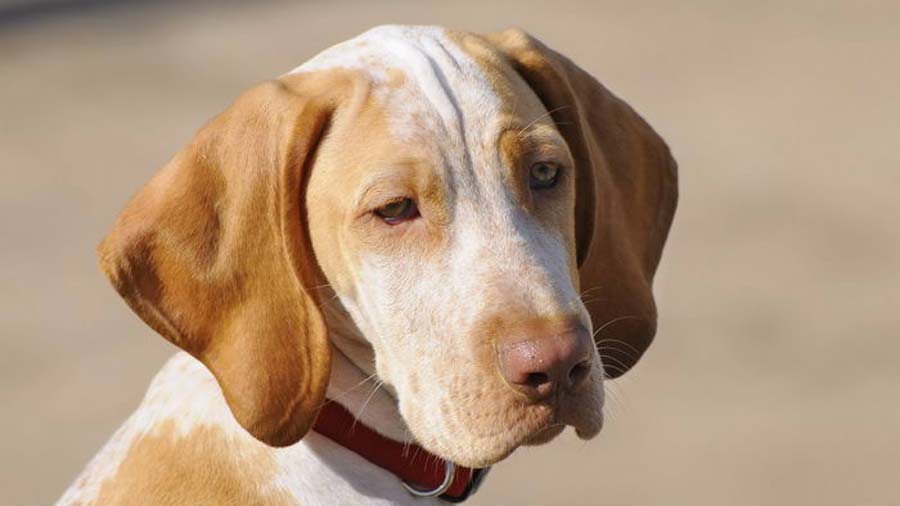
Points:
(774, 378)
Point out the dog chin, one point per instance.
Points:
(544, 436)
(586, 429)
(486, 452)
(504, 449)
(484, 455)
(535, 425)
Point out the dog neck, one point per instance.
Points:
(355, 386)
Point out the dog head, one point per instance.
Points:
(474, 219)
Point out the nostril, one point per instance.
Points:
(546, 363)
(579, 372)
(536, 379)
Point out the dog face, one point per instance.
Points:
(447, 231)
(465, 198)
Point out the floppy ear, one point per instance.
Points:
(214, 255)
(626, 194)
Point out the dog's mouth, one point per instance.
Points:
(530, 426)
(586, 427)
(487, 421)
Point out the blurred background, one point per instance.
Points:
(774, 378)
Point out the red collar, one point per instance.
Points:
(421, 472)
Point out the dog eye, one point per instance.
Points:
(543, 175)
(398, 211)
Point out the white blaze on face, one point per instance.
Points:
(420, 314)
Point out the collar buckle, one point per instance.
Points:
(449, 474)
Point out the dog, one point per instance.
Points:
(386, 270)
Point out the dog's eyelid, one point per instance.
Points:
(385, 184)
(546, 150)
(549, 152)
(379, 194)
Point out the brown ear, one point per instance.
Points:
(626, 193)
(213, 254)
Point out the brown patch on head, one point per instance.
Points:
(362, 166)
(503, 79)
(204, 466)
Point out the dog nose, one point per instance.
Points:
(539, 367)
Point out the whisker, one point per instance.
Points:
(542, 116)
(589, 290)
(614, 320)
(617, 370)
(524, 137)
(613, 397)
(354, 387)
(614, 363)
(618, 403)
(590, 300)
(618, 366)
(618, 341)
(378, 386)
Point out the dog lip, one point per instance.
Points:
(586, 431)
(544, 435)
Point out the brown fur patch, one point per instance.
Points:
(359, 166)
(202, 467)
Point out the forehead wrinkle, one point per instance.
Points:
(459, 121)
(444, 84)
(448, 103)
(434, 85)
(452, 85)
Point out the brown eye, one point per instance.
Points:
(398, 211)
(543, 175)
